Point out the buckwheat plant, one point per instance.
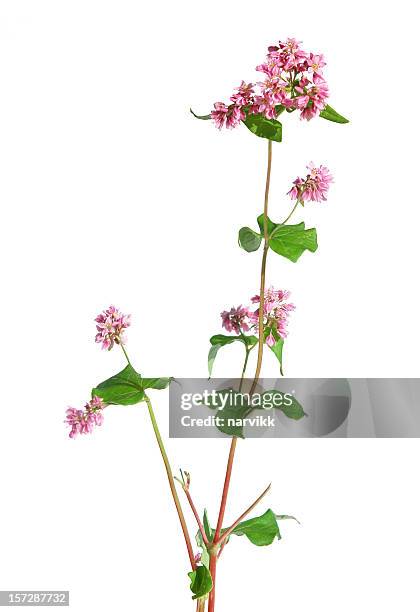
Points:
(292, 80)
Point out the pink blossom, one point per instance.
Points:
(227, 116)
(313, 98)
(83, 421)
(316, 63)
(276, 312)
(292, 79)
(236, 319)
(314, 187)
(110, 326)
(244, 95)
(275, 318)
(219, 114)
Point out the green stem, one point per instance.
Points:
(171, 482)
(293, 210)
(247, 351)
(125, 353)
(169, 475)
(262, 275)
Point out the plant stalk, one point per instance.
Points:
(171, 483)
(169, 474)
(227, 533)
(213, 558)
(197, 517)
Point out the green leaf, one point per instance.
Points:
(291, 241)
(206, 524)
(230, 411)
(201, 582)
(293, 410)
(124, 388)
(261, 530)
(156, 383)
(270, 225)
(127, 387)
(205, 557)
(249, 240)
(277, 349)
(212, 356)
(220, 340)
(204, 117)
(263, 127)
(331, 115)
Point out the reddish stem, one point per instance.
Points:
(197, 517)
(213, 557)
(227, 533)
(212, 594)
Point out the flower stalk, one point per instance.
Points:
(171, 483)
(232, 450)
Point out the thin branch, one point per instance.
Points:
(293, 210)
(227, 533)
(197, 517)
(171, 484)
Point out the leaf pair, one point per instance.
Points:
(250, 342)
(127, 387)
(220, 340)
(290, 241)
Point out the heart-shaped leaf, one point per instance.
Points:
(127, 387)
(249, 240)
(291, 241)
(124, 388)
(261, 530)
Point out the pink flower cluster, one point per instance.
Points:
(236, 319)
(276, 313)
(312, 188)
(110, 326)
(293, 80)
(83, 421)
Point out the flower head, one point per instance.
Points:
(236, 319)
(314, 187)
(110, 326)
(293, 80)
(275, 316)
(275, 313)
(83, 421)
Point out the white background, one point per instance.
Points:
(112, 193)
